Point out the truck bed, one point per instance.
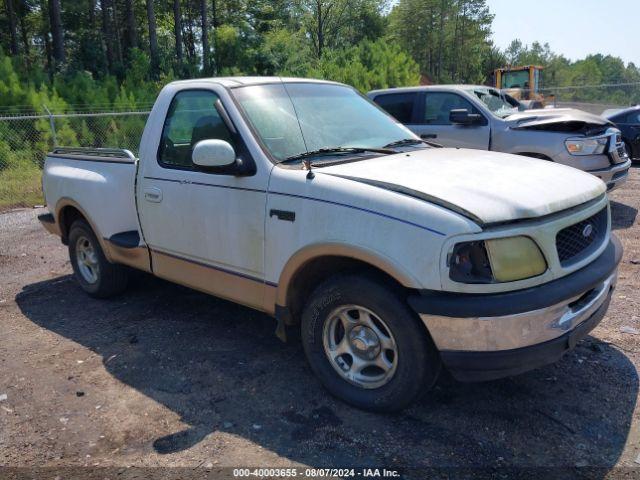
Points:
(101, 183)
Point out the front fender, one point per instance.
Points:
(336, 249)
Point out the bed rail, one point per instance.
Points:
(112, 155)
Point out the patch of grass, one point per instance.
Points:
(20, 186)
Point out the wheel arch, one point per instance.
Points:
(313, 264)
(537, 155)
(68, 211)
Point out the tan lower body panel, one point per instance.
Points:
(132, 257)
(246, 291)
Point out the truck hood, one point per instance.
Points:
(567, 120)
(488, 187)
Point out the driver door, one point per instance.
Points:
(204, 230)
(434, 124)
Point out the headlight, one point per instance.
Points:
(469, 263)
(586, 146)
(498, 260)
(515, 258)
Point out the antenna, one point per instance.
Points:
(306, 165)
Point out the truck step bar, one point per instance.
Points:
(111, 155)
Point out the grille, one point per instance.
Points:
(622, 152)
(581, 239)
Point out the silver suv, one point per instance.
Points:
(480, 117)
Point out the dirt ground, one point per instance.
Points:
(167, 377)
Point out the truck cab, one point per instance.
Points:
(523, 83)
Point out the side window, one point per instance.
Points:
(192, 117)
(633, 118)
(619, 119)
(399, 105)
(438, 105)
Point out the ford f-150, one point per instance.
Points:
(304, 200)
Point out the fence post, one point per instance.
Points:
(52, 124)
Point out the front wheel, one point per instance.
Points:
(96, 275)
(629, 151)
(366, 346)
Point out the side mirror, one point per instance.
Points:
(213, 154)
(461, 116)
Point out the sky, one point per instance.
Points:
(574, 28)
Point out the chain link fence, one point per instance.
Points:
(25, 140)
(593, 98)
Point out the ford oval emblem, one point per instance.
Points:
(587, 230)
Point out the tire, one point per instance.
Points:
(98, 277)
(627, 146)
(358, 301)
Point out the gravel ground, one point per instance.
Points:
(167, 377)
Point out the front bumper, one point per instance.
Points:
(613, 176)
(481, 366)
(482, 337)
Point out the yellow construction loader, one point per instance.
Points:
(522, 83)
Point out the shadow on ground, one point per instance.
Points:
(622, 216)
(220, 367)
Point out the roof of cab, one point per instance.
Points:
(231, 82)
(421, 88)
(613, 112)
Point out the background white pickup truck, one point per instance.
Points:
(304, 200)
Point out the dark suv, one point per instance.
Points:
(628, 122)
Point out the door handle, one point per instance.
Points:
(429, 135)
(285, 215)
(153, 194)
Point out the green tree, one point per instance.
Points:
(340, 23)
(369, 65)
(449, 39)
(284, 53)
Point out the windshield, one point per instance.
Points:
(516, 79)
(498, 103)
(295, 118)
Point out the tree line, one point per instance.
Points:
(115, 55)
(98, 52)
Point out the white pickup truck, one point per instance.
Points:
(304, 200)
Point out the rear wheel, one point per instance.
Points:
(366, 346)
(95, 274)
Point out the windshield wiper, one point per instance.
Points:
(329, 151)
(404, 141)
(411, 141)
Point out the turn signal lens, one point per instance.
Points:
(574, 147)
